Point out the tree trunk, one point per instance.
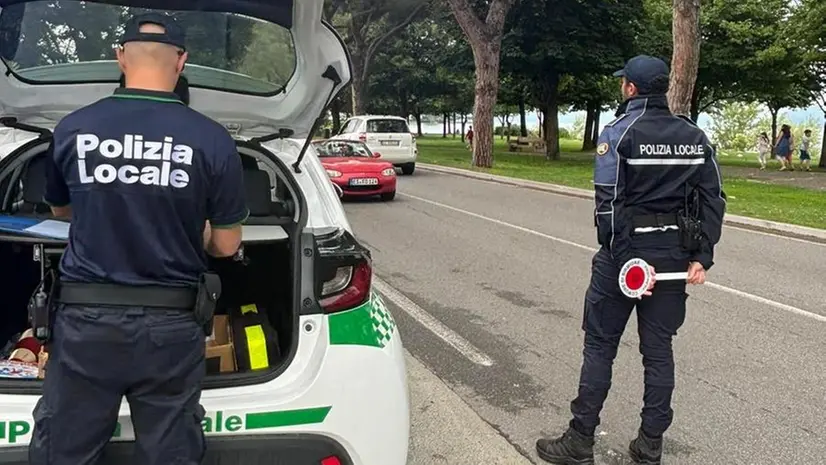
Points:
(595, 134)
(418, 116)
(774, 112)
(822, 162)
(539, 116)
(463, 120)
(444, 126)
(485, 39)
(552, 131)
(335, 113)
(486, 58)
(523, 119)
(588, 134)
(549, 90)
(509, 125)
(695, 104)
(404, 105)
(686, 57)
(454, 125)
(358, 87)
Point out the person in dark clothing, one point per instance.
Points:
(151, 186)
(649, 165)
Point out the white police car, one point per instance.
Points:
(333, 390)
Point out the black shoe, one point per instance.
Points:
(572, 448)
(646, 450)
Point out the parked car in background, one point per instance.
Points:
(357, 170)
(389, 135)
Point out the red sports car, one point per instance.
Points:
(358, 171)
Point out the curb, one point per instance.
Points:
(754, 224)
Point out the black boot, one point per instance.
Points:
(572, 448)
(646, 450)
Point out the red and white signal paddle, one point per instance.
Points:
(635, 277)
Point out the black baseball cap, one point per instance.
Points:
(643, 70)
(173, 33)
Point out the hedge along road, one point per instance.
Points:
(504, 269)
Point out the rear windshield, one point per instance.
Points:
(387, 126)
(66, 41)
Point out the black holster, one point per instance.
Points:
(206, 300)
(688, 220)
(691, 232)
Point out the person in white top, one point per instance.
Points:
(805, 157)
(763, 149)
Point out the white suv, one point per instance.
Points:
(388, 136)
(321, 377)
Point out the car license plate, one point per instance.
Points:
(390, 142)
(364, 182)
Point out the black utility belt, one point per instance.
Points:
(183, 298)
(657, 220)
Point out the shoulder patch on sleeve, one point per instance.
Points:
(602, 148)
(617, 120)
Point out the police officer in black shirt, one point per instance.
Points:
(659, 197)
(150, 186)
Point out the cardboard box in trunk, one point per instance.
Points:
(220, 353)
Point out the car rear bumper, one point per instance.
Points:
(385, 187)
(398, 156)
(276, 449)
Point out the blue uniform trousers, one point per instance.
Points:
(659, 317)
(155, 358)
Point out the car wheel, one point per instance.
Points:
(408, 168)
(388, 196)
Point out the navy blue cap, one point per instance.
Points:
(173, 33)
(642, 70)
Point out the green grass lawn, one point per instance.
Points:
(747, 197)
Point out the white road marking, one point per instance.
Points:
(502, 223)
(515, 183)
(468, 350)
(737, 292)
(768, 302)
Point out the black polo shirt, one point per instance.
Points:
(142, 172)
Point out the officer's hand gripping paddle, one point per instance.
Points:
(635, 277)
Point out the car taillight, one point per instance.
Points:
(348, 288)
(363, 137)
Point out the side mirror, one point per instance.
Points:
(338, 190)
(376, 155)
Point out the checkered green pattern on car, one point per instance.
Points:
(370, 324)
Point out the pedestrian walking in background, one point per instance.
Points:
(783, 148)
(763, 149)
(805, 143)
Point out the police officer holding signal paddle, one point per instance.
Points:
(659, 198)
(151, 186)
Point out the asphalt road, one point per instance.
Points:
(487, 283)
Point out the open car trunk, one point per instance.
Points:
(259, 284)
